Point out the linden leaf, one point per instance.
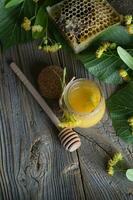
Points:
(121, 109)
(10, 23)
(129, 174)
(106, 68)
(41, 19)
(126, 57)
(11, 3)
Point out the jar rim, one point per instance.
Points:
(70, 109)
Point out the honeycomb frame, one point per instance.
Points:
(80, 21)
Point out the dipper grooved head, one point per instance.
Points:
(69, 139)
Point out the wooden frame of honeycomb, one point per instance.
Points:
(80, 21)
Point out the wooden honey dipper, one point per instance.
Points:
(68, 137)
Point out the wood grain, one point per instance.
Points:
(33, 165)
(98, 145)
(124, 7)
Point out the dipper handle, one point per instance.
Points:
(35, 94)
(68, 137)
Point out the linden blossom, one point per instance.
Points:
(37, 28)
(113, 162)
(26, 25)
(130, 121)
(128, 19)
(49, 45)
(104, 47)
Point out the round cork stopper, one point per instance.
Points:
(49, 82)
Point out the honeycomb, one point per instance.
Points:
(80, 21)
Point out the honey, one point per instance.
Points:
(84, 100)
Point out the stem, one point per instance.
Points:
(36, 8)
(32, 18)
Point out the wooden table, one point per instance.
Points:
(34, 166)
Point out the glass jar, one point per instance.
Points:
(84, 100)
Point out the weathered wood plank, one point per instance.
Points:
(33, 164)
(99, 144)
(124, 7)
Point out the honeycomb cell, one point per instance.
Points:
(71, 37)
(94, 32)
(106, 25)
(85, 36)
(97, 29)
(67, 18)
(86, 31)
(74, 9)
(68, 34)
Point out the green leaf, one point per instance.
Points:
(11, 3)
(121, 109)
(10, 23)
(41, 19)
(117, 34)
(106, 68)
(129, 174)
(126, 57)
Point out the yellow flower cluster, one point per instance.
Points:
(113, 162)
(48, 45)
(128, 19)
(51, 48)
(37, 28)
(130, 121)
(103, 48)
(128, 22)
(26, 25)
(130, 29)
(69, 121)
(123, 73)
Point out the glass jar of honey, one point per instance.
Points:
(83, 99)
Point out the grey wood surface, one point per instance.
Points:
(33, 164)
(122, 6)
